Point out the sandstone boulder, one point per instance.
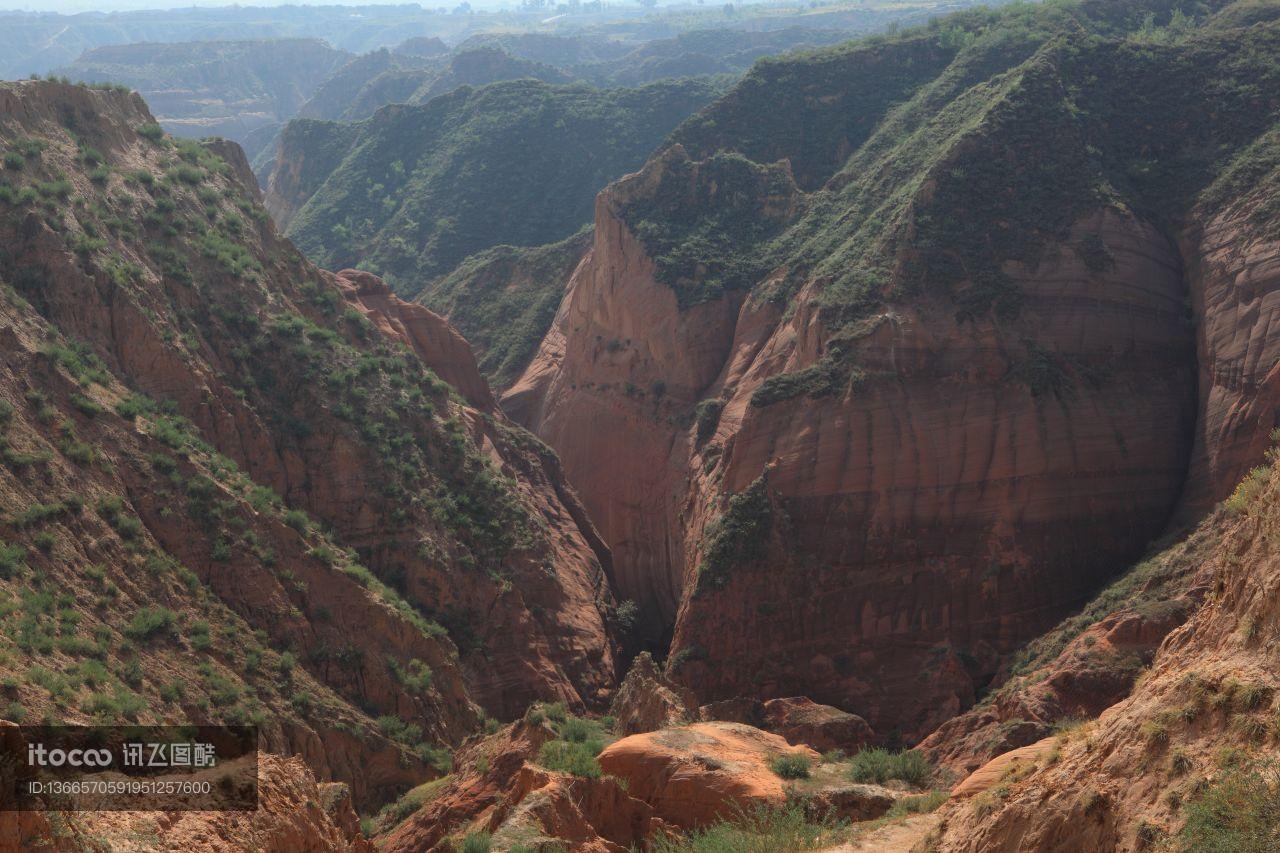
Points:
(851, 802)
(804, 722)
(701, 773)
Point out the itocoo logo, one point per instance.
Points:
(38, 755)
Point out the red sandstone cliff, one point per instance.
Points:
(938, 513)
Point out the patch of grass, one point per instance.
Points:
(922, 804)
(393, 814)
(763, 830)
(1156, 732)
(1239, 813)
(476, 842)
(88, 405)
(879, 766)
(112, 511)
(578, 759)
(794, 766)
(151, 132)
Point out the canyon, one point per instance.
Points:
(895, 450)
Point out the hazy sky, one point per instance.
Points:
(71, 7)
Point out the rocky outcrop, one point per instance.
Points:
(426, 334)
(825, 624)
(294, 813)
(647, 700)
(617, 366)
(497, 787)
(694, 775)
(801, 721)
(1002, 767)
(1234, 272)
(1198, 716)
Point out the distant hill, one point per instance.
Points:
(415, 189)
(504, 299)
(217, 88)
(362, 86)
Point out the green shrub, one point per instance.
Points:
(794, 766)
(879, 766)
(14, 161)
(415, 677)
(151, 622)
(1249, 488)
(87, 405)
(79, 360)
(12, 559)
(140, 176)
(1240, 813)
(398, 730)
(707, 415)
(297, 519)
(477, 842)
(112, 511)
(151, 131)
(38, 513)
(576, 758)
(738, 537)
(198, 635)
(575, 730)
(303, 703)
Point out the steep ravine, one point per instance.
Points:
(880, 495)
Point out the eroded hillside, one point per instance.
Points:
(237, 488)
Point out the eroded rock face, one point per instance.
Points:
(294, 813)
(952, 481)
(620, 361)
(1235, 284)
(647, 700)
(1122, 781)
(801, 721)
(1095, 670)
(497, 787)
(694, 775)
(299, 460)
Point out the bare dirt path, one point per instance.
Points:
(897, 837)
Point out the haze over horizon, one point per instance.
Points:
(77, 7)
